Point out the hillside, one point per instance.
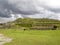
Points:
(30, 23)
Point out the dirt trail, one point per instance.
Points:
(4, 39)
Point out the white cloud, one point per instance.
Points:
(33, 6)
(30, 8)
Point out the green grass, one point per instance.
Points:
(32, 37)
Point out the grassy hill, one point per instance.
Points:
(30, 23)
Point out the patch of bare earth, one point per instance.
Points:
(4, 39)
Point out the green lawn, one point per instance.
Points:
(32, 37)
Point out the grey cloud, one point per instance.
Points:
(26, 8)
(55, 10)
(4, 12)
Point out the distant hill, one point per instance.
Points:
(33, 24)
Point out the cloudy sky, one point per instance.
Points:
(12, 9)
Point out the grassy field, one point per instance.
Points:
(32, 37)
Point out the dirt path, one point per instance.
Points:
(4, 39)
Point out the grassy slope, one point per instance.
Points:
(31, 37)
(28, 22)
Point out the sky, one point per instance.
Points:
(13, 9)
